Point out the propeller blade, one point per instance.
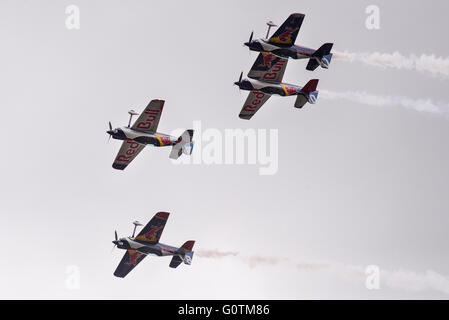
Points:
(241, 75)
(110, 125)
(251, 37)
(116, 237)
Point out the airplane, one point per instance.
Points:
(265, 80)
(143, 132)
(282, 44)
(146, 243)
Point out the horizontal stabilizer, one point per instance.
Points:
(321, 57)
(301, 100)
(325, 49)
(175, 262)
(183, 145)
(312, 65)
(183, 254)
(308, 93)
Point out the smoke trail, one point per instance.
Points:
(401, 279)
(413, 281)
(254, 261)
(423, 63)
(421, 105)
(251, 261)
(215, 253)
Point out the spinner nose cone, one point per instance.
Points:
(251, 45)
(115, 242)
(111, 132)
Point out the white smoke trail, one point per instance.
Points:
(423, 63)
(409, 280)
(401, 279)
(421, 105)
(215, 253)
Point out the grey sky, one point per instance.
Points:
(356, 185)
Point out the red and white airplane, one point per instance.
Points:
(265, 79)
(147, 243)
(144, 132)
(282, 44)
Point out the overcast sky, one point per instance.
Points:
(357, 184)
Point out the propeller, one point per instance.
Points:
(250, 39)
(110, 131)
(248, 44)
(238, 82)
(115, 242)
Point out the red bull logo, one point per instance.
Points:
(289, 90)
(129, 153)
(275, 70)
(164, 140)
(151, 115)
(267, 59)
(134, 256)
(151, 235)
(255, 103)
(286, 35)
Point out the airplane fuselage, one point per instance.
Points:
(145, 138)
(282, 51)
(271, 88)
(158, 249)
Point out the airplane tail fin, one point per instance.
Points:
(308, 93)
(183, 145)
(184, 254)
(321, 57)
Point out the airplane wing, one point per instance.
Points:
(149, 118)
(128, 262)
(128, 151)
(153, 230)
(253, 103)
(175, 262)
(268, 67)
(288, 31)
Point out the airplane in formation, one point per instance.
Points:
(147, 243)
(265, 80)
(144, 132)
(282, 44)
(266, 74)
